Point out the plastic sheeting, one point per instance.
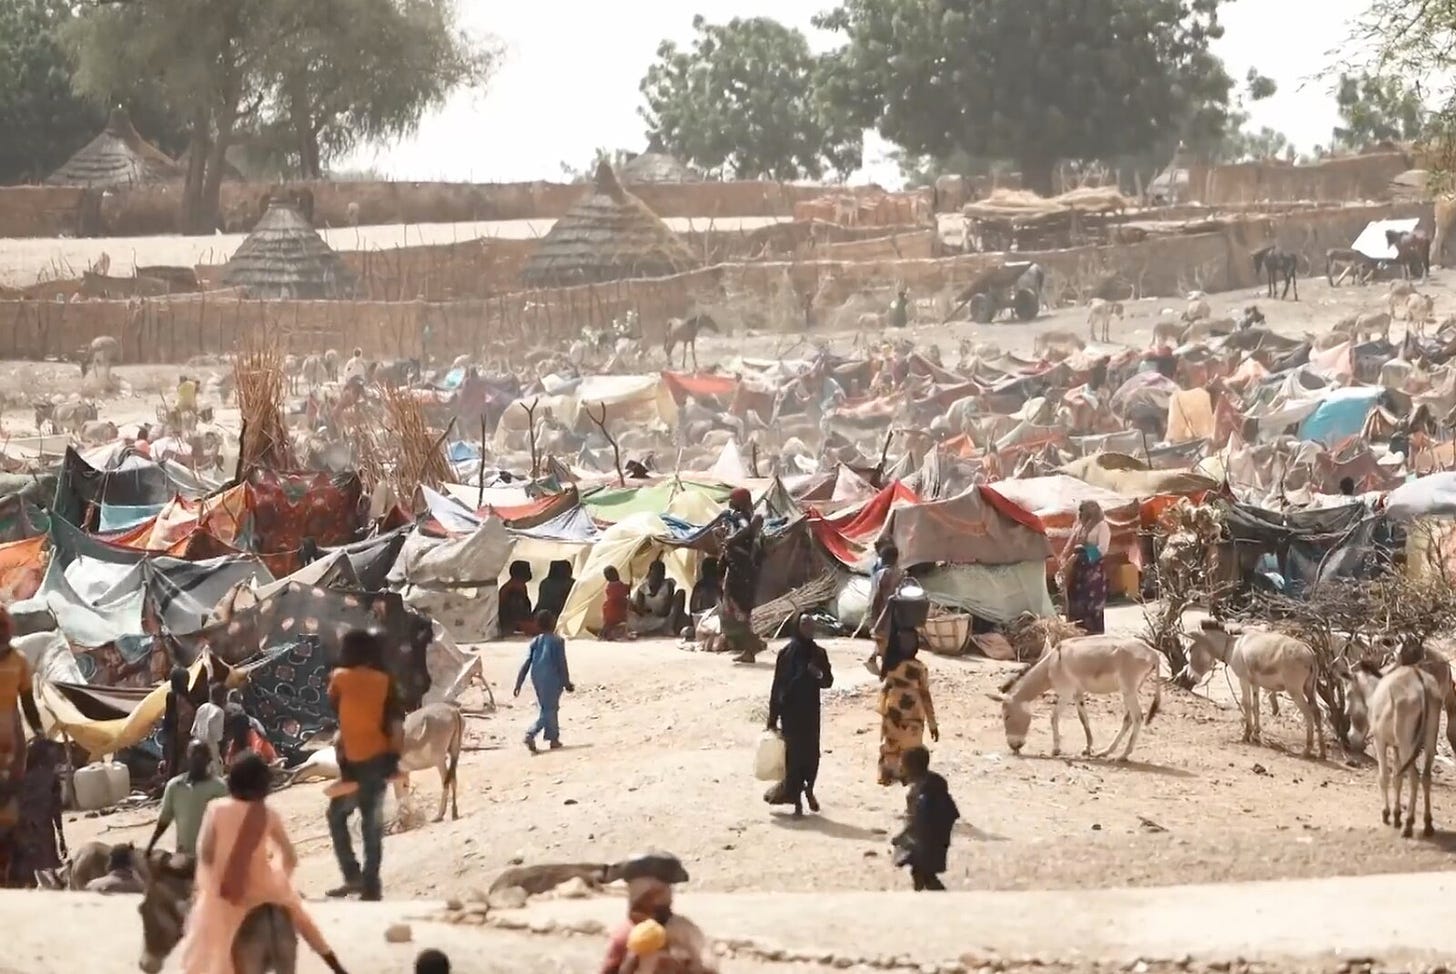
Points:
(1432, 496)
(1340, 414)
(455, 582)
(998, 593)
(630, 545)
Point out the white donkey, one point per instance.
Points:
(1261, 661)
(1074, 668)
(1405, 715)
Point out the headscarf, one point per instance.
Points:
(739, 498)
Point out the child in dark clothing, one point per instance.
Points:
(930, 813)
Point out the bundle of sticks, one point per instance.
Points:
(769, 618)
(258, 375)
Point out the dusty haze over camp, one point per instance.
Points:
(570, 77)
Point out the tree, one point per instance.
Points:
(748, 100)
(1035, 81)
(317, 75)
(1375, 109)
(36, 96)
(365, 71)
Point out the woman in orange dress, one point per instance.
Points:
(244, 860)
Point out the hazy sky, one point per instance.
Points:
(572, 68)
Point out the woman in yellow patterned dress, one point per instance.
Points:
(906, 710)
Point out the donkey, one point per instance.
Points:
(432, 739)
(1101, 313)
(1276, 264)
(1412, 250)
(1350, 263)
(685, 333)
(265, 942)
(1074, 668)
(1260, 661)
(1405, 713)
(1390, 652)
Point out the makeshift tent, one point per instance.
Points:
(979, 526)
(118, 157)
(82, 488)
(630, 545)
(454, 581)
(667, 497)
(609, 235)
(1340, 414)
(285, 258)
(100, 593)
(625, 398)
(1055, 499)
(1308, 546)
(1372, 242)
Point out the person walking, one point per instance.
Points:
(178, 714)
(930, 814)
(186, 797)
(1084, 568)
(885, 581)
(40, 842)
(244, 860)
(208, 725)
(802, 670)
(17, 698)
(550, 677)
(905, 707)
(368, 745)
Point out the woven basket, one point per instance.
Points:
(948, 635)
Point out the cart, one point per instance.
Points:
(999, 289)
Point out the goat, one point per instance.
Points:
(1278, 264)
(1057, 343)
(1404, 707)
(1168, 331)
(1197, 309)
(1419, 309)
(313, 371)
(1250, 317)
(1412, 250)
(1398, 295)
(1074, 668)
(1100, 312)
(291, 369)
(1348, 262)
(1261, 661)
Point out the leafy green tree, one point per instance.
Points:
(360, 71)
(748, 100)
(309, 77)
(1377, 109)
(1035, 81)
(47, 119)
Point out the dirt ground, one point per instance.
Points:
(659, 752)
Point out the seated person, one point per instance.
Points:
(709, 588)
(657, 605)
(515, 602)
(555, 588)
(615, 606)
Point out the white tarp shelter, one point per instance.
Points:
(1371, 241)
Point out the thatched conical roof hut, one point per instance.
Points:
(119, 156)
(284, 258)
(657, 165)
(609, 235)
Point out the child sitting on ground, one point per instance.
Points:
(615, 606)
